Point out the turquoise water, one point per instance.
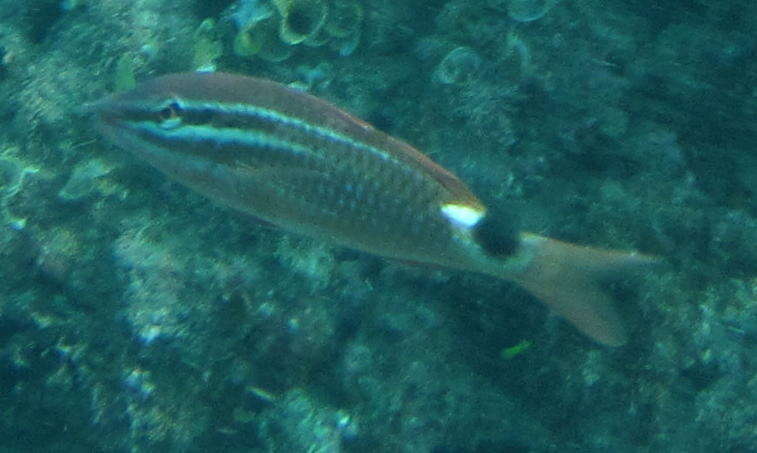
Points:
(136, 315)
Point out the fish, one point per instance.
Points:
(306, 166)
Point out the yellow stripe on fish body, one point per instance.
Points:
(301, 163)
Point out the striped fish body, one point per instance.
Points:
(298, 162)
(306, 166)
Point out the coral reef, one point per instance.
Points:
(271, 30)
(137, 316)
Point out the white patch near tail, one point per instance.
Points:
(462, 215)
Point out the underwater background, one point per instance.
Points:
(136, 315)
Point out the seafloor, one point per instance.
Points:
(138, 316)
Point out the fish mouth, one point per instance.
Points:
(107, 110)
(104, 117)
(101, 109)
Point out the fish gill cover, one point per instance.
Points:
(136, 315)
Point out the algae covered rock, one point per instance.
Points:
(273, 30)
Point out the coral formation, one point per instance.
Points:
(271, 30)
(529, 10)
(136, 316)
(300, 19)
(458, 67)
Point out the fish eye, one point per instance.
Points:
(170, 115)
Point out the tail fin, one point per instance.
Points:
(566, 278)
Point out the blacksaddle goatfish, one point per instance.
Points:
(306, 166)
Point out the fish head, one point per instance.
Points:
(143, 105)
(148, 119)
(159, 110)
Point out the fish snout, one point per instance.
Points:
(105, 110)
